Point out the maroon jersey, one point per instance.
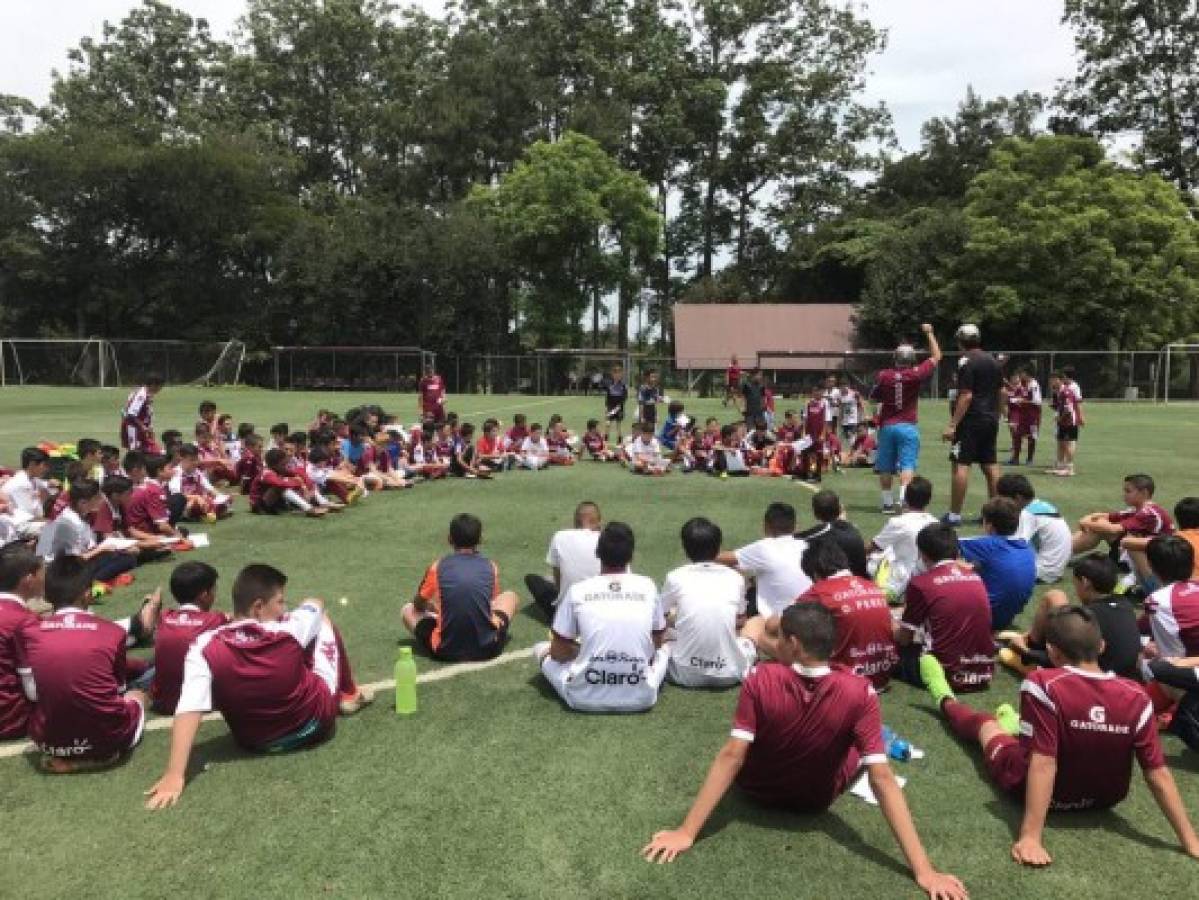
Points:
(865, 634)
(256, 676)
(176, 631)
(432, 393)
(1149, 520)
(137, 420)
(147, 507)
(864, 443)
(517, 434)
(14, 705)
(809, 730)
(786, 433)
(594, 442)
(898, 392)
(815, 417)
(248, 468)
(1092, 724)
(732, 376)
(949, 602)
(78, 665)
(1067, 404)
(1174, 619)
(1017, 397)
(268, 479)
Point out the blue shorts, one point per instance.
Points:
(898, 448)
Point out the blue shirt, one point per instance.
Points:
(669, 436)
(1008, 567)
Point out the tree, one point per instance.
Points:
(577, 226)
(1139, 71)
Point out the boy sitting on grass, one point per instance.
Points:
(278, 489)
(1141, 518)
(193, 585)
(595, 444)
(1007, 564)
(1080, 728)
(73, 668)
(278, 678)
(800, 735)
(22, 576)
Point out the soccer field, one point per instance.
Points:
(494, 789)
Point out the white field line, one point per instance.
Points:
(162, 723)
(519, 407)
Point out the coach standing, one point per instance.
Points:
(974, 426)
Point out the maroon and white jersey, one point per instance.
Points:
(1016, 398)
(1174, 619)
(77, 662)
(809, 731)
(865, 634)
(15, 707)
(1067, 401)
(815, 419)
(1092, 723)
(256, 676)
(949, 603)
(177, 630)
(432, 393)
(1148, 520)
(249, 467)
(897, 391)
(137, 419)
(147, 507)
(191, 484)
(594, 442)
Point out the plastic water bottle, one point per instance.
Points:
(897, 747)
(405, 682)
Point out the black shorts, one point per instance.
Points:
(1067, 432)
(423, 632)
(615, 413)
(974, 441)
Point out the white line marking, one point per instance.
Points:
(518, 406)
(162, 723)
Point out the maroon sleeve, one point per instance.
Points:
(925, 369)
(1038, 718)
(868, 730)
(1148, 743)
(915, 610)
(745, 719)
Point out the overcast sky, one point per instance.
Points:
(936, 47)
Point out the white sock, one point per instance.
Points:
(902, 490)
(888, 498)
(296, 500)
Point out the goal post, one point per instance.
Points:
(350, 368)
(1184, 357)
(98, 362)
(573, 370)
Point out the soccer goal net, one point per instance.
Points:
(1180, 372)
(350, 368)
(578, 370)
(96, 362)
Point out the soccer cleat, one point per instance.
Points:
(1008, 719)
(888, 509)
(953, 520)
(348, 704)
(1012, 660)
(933, 676)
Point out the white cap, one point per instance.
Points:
(968, 332)
(905, 354)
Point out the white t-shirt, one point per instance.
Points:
(68, 535)
(774, 564)
(707, 598)
(530, 447)
(572, 553)
(899, 536)
(1050, 537)
(646, 452)
(613, 617)
(849, 407)
(23, 494)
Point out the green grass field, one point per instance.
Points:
(494, 789)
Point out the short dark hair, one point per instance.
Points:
(68, 579)
(244, 430)
(826, 506)
(108, 451)
(86, 447)
(275, 457)
(615, 545)
(1075, 632)
(32, 456)
(467, 429)
(252, 439)
(675, 407)
(647, 428)
(1002, 514)
(300, 438)
(154, 380)
(592, 424)
(1099, 569)
(1186, 513)
(813, 625)
(255, 582)
(189, 451)
(1141, 482)
(780, 517)
(134, 459)
(919, 493)
(1015, 486)
(938, 542)
(84, 489)
(280, 429)
(701, 539)
(1171, 558)
(207, 406)
(116, 484)
(155, 464)
(823, 559)
(16, 562)
(466, 531)
(191, 579)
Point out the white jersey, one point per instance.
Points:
(530, 447)
(613, 617)
(1035, 397)
(774, 564)
(1050, 537)
(706, 599)
(849, 407)
(24, 494)
(640, 451)
(572, 553)
(68, 535)
(899, 536)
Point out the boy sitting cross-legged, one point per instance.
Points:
(801, 733)
(1080, 728)
(278, 678)
(22, 575)
(193, 585)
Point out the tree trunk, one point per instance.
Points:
(624, 303)
(596, 300)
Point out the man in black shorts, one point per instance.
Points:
(753, 393)
(974, 426)
(616, 395)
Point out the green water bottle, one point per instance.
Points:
(405, 682)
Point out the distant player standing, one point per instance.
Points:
(897, 393)
(137, 418)
(1067, 401)
(616, 395)
(1027, 423)
(973, 428)
(431, 394)
(732, 381)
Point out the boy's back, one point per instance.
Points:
(14, 705)
(177, 630)
(707, 598)
(1008, 567)
(865, 633)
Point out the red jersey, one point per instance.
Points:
(248, 468)
(732, 376)
(516, 435)
(1092, 724)
(898, 392)
(432, 393)
(949, 602)
(15, 707)
(1067, 402)
(78, 665)
(487, 446)
(1149, 520)
(1173, 613)
(270, 479)
(865, 634)
(786, 433)
(593, 441)
(809, 730)
(815, 417)
(256, 676)
(147, 507)
(176, 631)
